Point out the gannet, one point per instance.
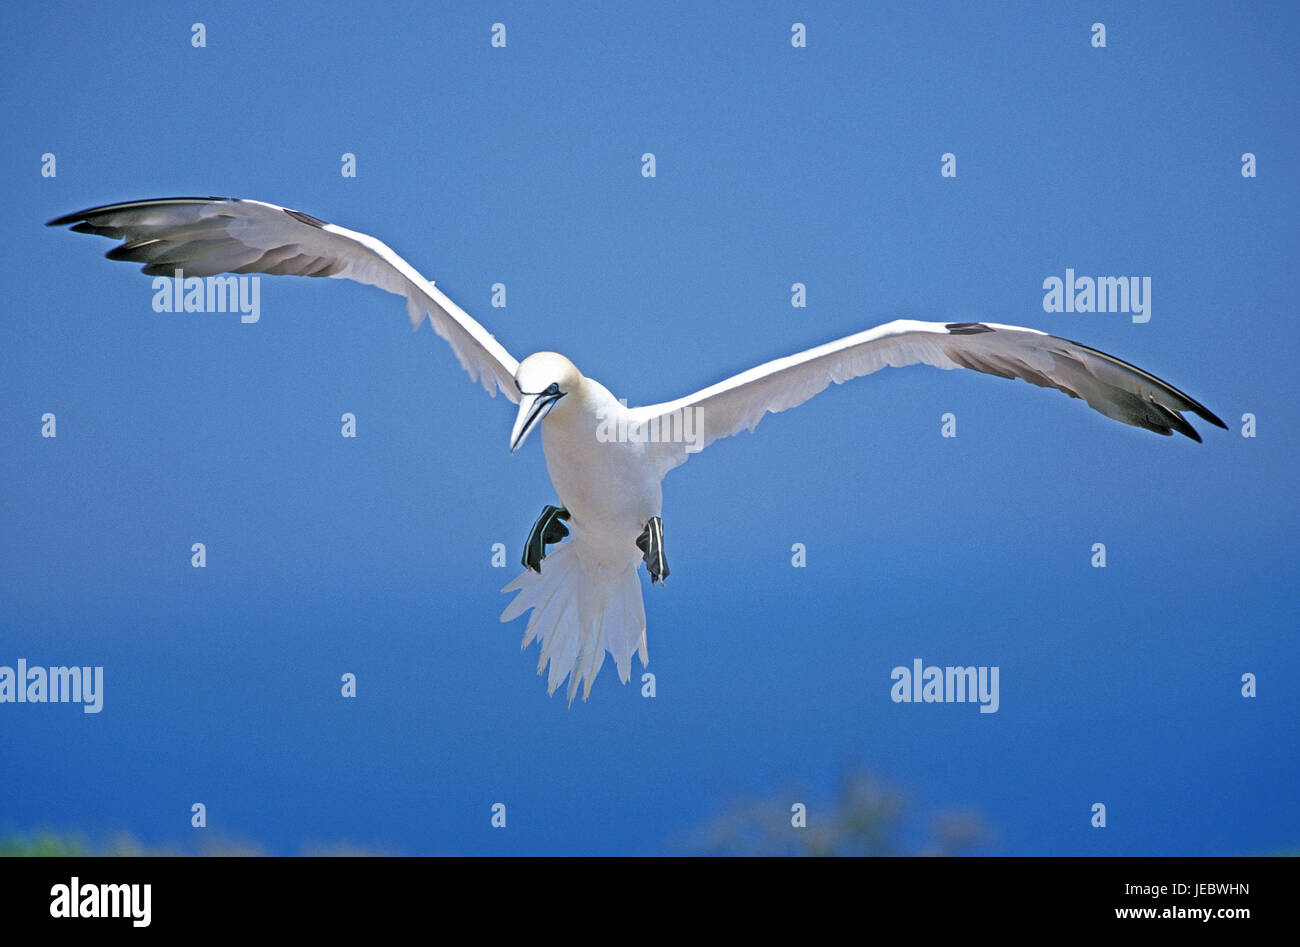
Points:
(607, 461)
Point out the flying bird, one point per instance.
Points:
(607, 461)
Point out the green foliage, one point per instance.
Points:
(42, 845)
(48, 844)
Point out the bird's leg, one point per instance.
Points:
(547, 531)
(651, 544)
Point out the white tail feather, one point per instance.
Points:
(581, 609)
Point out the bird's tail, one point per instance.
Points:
(582, 607)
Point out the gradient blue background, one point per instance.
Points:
(775, 165)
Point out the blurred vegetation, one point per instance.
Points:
(864, 817)
(46, 843)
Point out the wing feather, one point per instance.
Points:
(206, 236)
(1111, 386)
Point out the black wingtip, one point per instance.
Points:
(1204, 413)
(123, 251)
(86, 214)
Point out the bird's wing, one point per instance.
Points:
(1115, 388)
(204, 236)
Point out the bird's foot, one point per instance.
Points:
(651, 544)
(547, 531)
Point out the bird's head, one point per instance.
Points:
(543, 379)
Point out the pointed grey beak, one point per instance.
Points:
(532, 408)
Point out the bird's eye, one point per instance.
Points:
(554, 389)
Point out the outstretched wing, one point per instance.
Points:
(204, 236)
(1115, 388)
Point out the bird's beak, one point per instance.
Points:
(532, 408)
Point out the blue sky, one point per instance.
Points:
(774, 165)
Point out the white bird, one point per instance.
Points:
(607, 461)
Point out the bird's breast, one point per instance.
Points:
(606, 481)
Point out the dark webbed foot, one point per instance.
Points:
(547, 531)
(651, 544)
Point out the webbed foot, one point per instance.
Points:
(547, 531)
(651, 544)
